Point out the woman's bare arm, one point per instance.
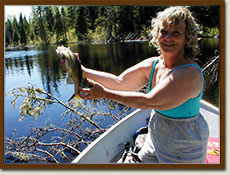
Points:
(171, 92)
(127, 80)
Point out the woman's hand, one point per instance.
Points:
(97, 91)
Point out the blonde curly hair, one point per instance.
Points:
(173, 15)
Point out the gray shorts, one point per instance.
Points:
(175, 140)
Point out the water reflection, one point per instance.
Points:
(22, 53)
(115, 57)
(42, 63)
(18, 65)
(207, 49)
(50, 71)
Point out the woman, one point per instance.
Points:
(177, 132)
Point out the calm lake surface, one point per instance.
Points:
(41, 67)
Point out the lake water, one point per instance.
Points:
(40, 66)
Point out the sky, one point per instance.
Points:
(15, 10)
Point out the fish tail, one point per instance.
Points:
(75, 96)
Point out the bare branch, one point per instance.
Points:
(60, 143)
(49, 154)
(63, 143)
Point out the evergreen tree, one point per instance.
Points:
(34, 24)
(49, 18)
(58, 25)
(15, 28)
(101, 23)
(23, 39)
(27, 28)
(70, 16)
(8, 32)
(106, 22)
(63, 20)
(42, 29)
(92, 15)
(31, 31)
(206, 15)
(82, 22)
(39, 25)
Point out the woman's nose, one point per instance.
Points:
(167, 36)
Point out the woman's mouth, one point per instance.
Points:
(168, 45)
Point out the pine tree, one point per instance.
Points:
(70, 16)
(48, 15)
(34, 25)
(58, 25)
(42, 29)
(23, 38)
(16, 35)
(8, 32)
(108, 22)
(82, 23)
(100, 23)
(63, 20)
(26, 28)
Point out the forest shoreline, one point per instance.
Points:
(20, 47)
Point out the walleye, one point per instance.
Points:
(73, 65)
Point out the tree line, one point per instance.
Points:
(61, 24)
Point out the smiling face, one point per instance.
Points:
(172, 38)
(173, 16)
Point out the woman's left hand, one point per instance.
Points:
(97, 91)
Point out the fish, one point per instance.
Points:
(71, 64)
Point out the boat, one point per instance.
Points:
(109, 147)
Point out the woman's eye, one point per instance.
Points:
(176, 33)
(163, 32)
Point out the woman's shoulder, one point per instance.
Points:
(151, 60)
(189, 73)
(188, 66)
(146, 65)
(191, 68)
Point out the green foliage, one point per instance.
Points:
(207, 15)
(145, 32)
(60, 24)
(210, 32)
(48, 14)
(82, 23)
(36, 100)
(33, 104)
(22, 26)
(9, 32)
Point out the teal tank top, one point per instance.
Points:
(188, 109)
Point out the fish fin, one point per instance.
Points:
(69, 80)
(75, 101)
(75, 97)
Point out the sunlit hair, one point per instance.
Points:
(173, 15)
